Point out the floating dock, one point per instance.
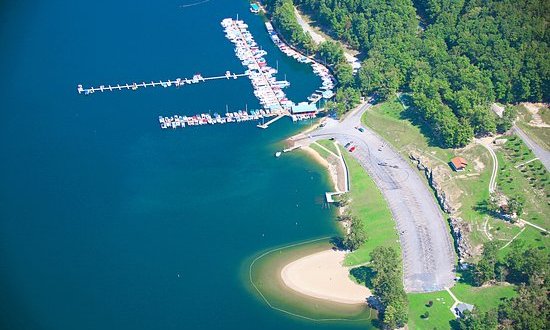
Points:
(267, 88)
(179, 121)
(266, 125)
(167, 83)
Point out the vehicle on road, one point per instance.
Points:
(347, 145)
(361, 129)
(352, 149)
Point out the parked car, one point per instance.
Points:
(361, 129)
(352, 149)
(347, 145)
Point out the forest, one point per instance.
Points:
(454, 57)
(527, 268)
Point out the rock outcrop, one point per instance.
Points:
(460, 231)
(435, 178)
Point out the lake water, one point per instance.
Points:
(109, 222)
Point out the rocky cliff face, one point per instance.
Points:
(460, 231)
(436, 176)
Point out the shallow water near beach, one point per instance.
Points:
(109, 222)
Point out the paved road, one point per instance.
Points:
(425, 240)
(540, 152)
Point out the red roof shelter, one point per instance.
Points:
(458, 163)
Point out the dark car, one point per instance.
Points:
(347, 145)
(361, 129)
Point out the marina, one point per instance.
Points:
(328, 80)
(267, 89)
(181, 121)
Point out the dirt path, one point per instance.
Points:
(319, 38)
(493, 181)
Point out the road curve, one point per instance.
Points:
(428, 254)
(540, 152)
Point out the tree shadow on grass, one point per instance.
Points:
(363, 274)
(412, 115)
(467, 276)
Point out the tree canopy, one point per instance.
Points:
(388, 287)
(455, 60)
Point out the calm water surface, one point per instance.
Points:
(108, 222)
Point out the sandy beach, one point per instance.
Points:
(322, 275)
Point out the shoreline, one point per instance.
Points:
(322, 275)
(264, 276)
(332, 171)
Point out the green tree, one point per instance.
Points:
(331, 53)
(356, 235)
(347, 99)
(484, 270)
(516, 204)
(527, 265)
(529, 310)
(343, 73)
(469, 54)
(508, 117)
(388, 287)
(478, 321)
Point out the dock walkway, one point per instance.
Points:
(167, 83)
(266, 125)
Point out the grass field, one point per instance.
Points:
(466, 189)
(532, 180)
(319, 150)
(440, 312)
(329, 145)
(541, 135)
(370, 206)
(389, 119)
(484, 298)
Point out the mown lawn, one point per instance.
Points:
(390, 120)
(329, 145)
(319, 150)
(484, 298)
(369, 205)
(439, 314)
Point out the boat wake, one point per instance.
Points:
(194, 4)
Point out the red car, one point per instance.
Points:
(352, 149)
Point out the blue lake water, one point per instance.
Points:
(101, 210)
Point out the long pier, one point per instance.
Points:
(266, 125)
(167, 83)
